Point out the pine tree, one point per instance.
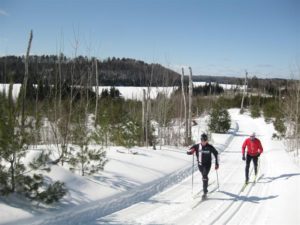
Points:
(85, 159)
(128, 133)
(279, 125)
(219, 119)
(13, 140)
(15, 137)
(255, 111)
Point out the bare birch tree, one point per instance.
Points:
(190, 107)
(184, 106)
(97, 89)
(143, 116)
(292, 115)
(26, 78)
(244, 92)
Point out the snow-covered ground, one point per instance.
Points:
(135, 93)
(123, 173)
(4, 88)
(224, 86)
(155, 187)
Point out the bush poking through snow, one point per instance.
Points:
(53, 193)
(219, 120)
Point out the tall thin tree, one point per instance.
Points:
(26, 78)
(97, 89)
(184, 106)
(143, 115)
(244, 91)
(190, 107)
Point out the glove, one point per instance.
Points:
(189, 153)
(244, 158)
(258, 154)
(216, 166)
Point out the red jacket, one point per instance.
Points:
(253, 147)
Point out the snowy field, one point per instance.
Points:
(224, 86)
(15, 91)
(135, 93)
(155, 187)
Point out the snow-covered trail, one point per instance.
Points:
(274, 199)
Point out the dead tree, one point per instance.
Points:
(97, 90)
(190, 107)
(148, 107)
(26, 79)
(184, 106)
(244, 92)
(143, 115)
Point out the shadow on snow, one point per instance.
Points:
(282, 176)
(252, 199)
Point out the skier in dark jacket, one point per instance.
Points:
(203, 152)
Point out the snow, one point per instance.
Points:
(155, 186)
(123, 173)
(135, 93)
(224, 86)
(15, 90)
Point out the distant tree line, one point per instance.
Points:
(208, 89)
(111, 71)
(270, 86)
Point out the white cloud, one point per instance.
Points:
(3, 13)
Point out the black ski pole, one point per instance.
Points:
(217, 180)
(193, 177)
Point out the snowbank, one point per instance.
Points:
(126, 180)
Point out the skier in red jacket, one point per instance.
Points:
(254, 149)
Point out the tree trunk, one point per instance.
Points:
(148, 107)
(26, 79)
(190, 107)
(143, 116)
(60, 85)
(147, 116)
(97, 90)
(297, 116)
(12, 172)
(184, 105)
(244, 92)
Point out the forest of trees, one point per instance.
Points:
(111, 71)
(263, 85)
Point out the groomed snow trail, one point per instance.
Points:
(273, 199)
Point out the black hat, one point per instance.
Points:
(204, 137)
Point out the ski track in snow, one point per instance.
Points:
(273, 199)
(82, 214)
(268, 201)
(88, 214)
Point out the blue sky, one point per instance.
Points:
(214, 37)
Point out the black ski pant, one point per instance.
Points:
(204, 169)
(248, 161)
